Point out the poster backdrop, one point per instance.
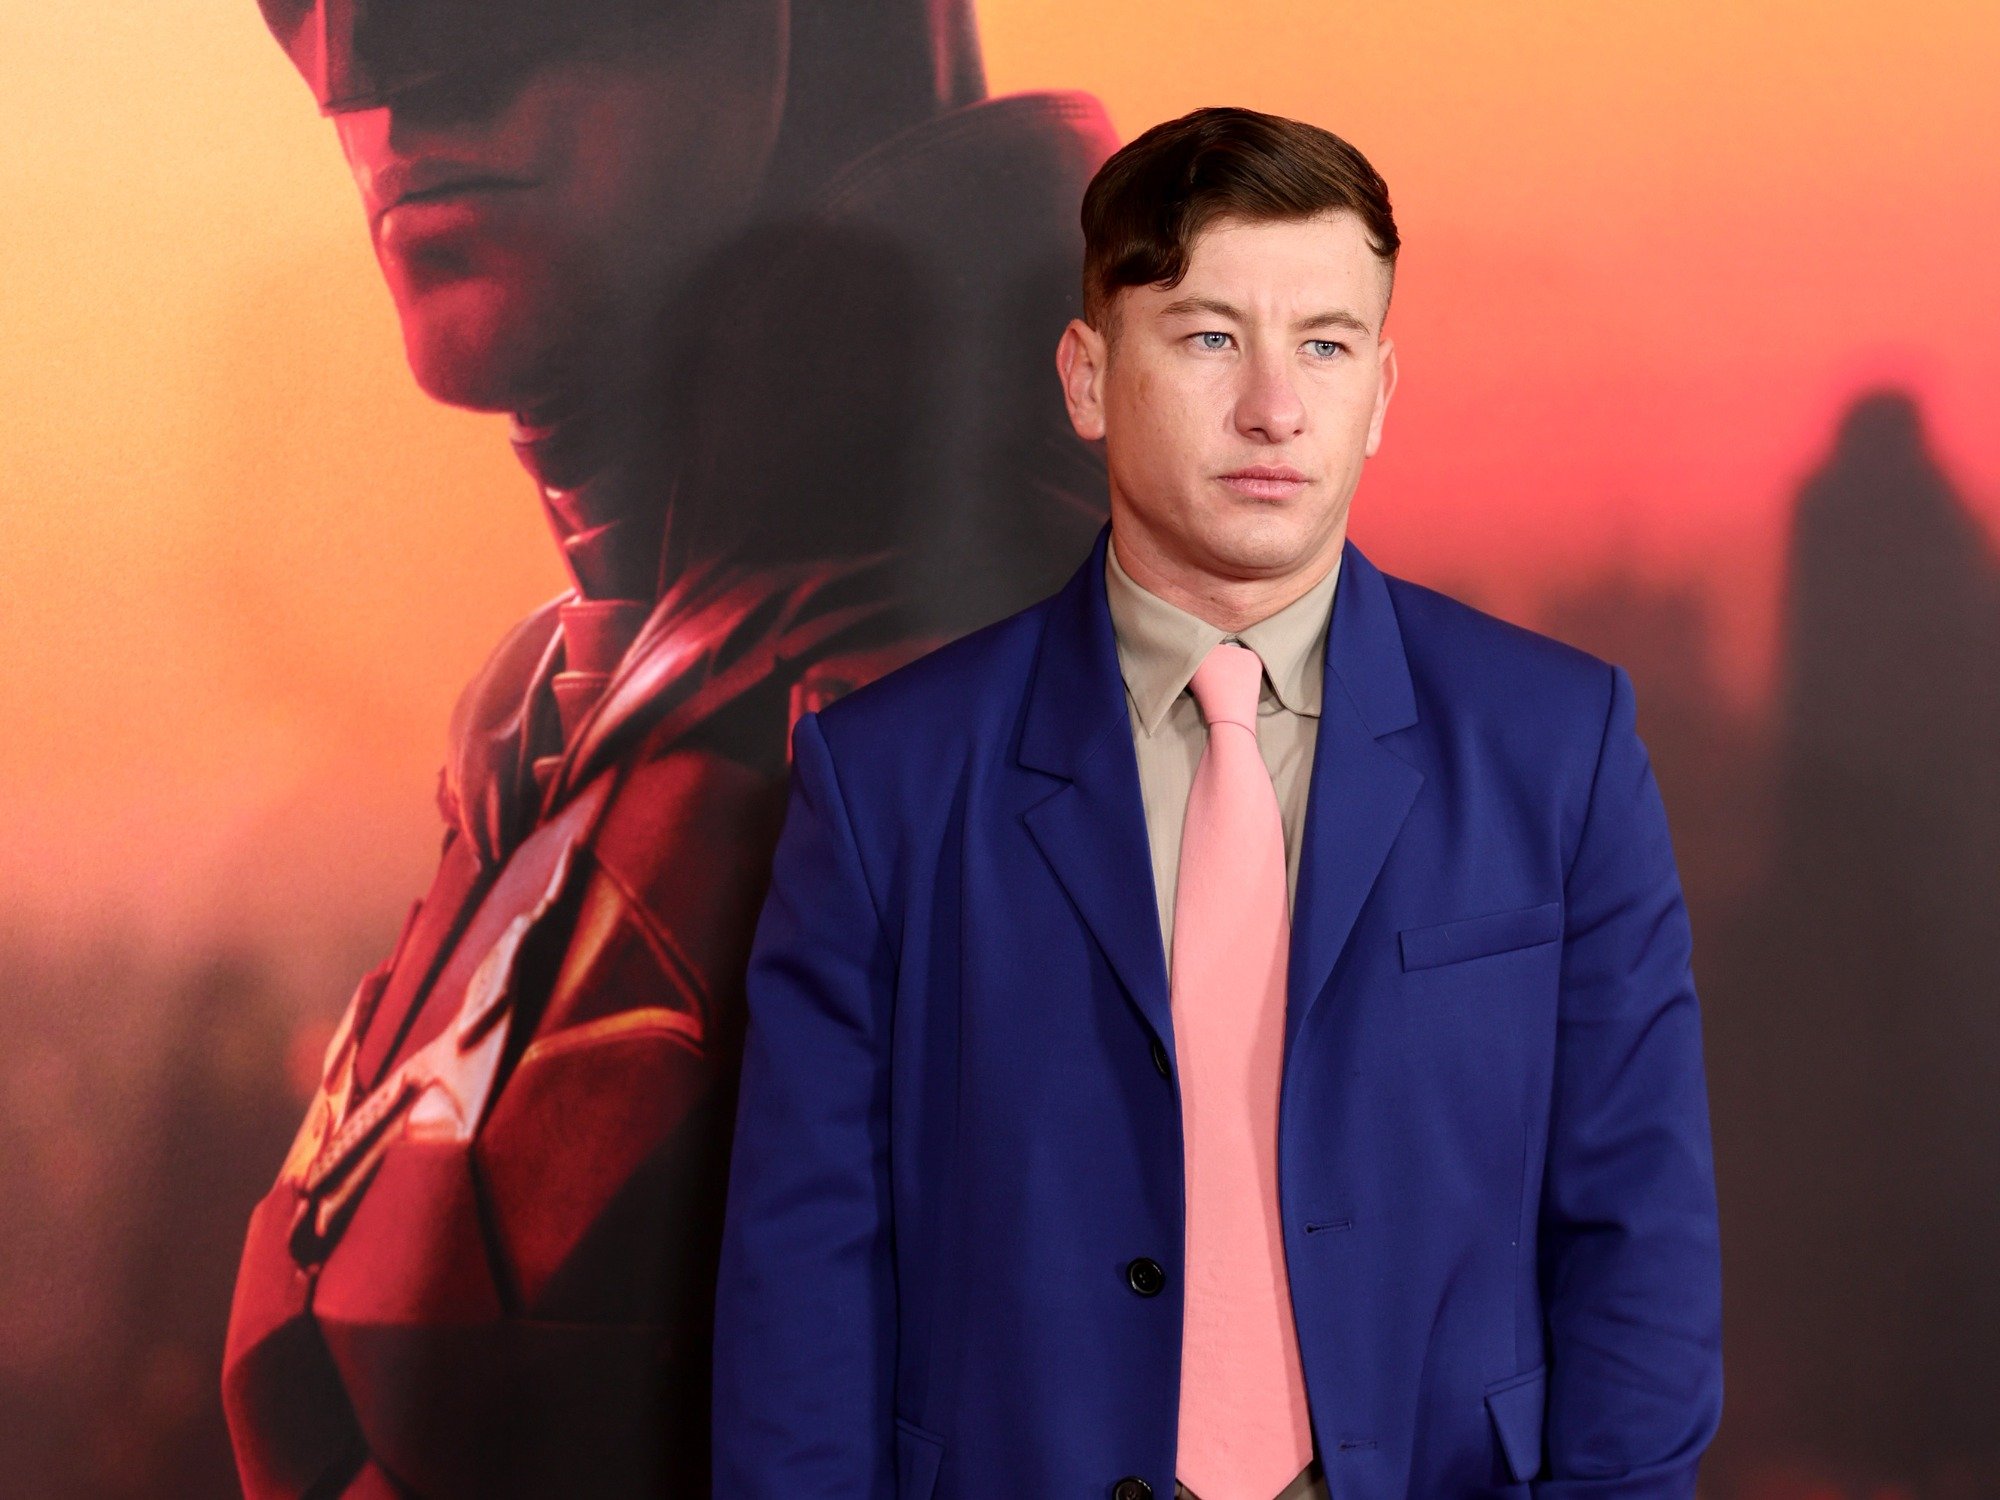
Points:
(1699, 322)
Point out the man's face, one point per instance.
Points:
(530, 225)
(1237, 407)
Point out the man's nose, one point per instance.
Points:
(1268, 404)
(452, 102)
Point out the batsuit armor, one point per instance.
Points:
(486, 1266)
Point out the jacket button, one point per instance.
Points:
(1131, 1487)
(1160, 1059)
(1146, 1278)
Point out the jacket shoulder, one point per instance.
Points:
(955, 693)
(1470, 666)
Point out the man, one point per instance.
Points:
(737, 271)
(1226, 1030)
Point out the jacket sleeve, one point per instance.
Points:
(1629, 1258)
(805, 1328)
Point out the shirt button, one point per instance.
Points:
(1131, 1487)
(1145, 1276)
(1160, 1059)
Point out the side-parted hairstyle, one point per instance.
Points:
(1150, 200)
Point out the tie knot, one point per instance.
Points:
(1226, 685)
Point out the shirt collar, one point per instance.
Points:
(1160, 644)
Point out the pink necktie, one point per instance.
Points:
(1244, 1428)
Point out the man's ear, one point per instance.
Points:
(1080, 358)
(1385, 387)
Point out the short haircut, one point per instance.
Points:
(1147, 204)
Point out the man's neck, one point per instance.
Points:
(599, 448)
(1227, 603)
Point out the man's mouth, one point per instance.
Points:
(1265, 481)
(431, 180)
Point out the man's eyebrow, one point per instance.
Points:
(1338, 317)
(1200, 304)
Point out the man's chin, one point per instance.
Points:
(1254, 541)
(480, 352)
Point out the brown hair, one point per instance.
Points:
(1147, 204)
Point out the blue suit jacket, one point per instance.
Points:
(955, 1133)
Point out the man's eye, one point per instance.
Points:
(1204, 337)
(1326, 348)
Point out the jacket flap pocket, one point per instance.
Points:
(1476, 937)
(1516, 1407)
(918, 1454)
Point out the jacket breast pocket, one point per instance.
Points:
(1478, 937)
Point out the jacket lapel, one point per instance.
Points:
(1092, 830)
(1360, 791)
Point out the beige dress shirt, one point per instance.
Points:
(1159, 647)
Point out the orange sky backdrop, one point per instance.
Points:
(1650, 251)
